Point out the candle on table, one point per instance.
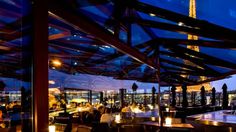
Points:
(168, 121)
(52, 128)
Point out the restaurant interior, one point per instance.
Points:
(117, 66)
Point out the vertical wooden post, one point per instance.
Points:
(101, 97)
(179, 98)
(40, 65)
(173, 102)
(213, 99)
(159, 85)
(122, 95)
(184, 95)
(153, 96)
(90, 96)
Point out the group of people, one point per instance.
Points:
(99, 112)
(134, 108)
(10, 112)
(2, 122)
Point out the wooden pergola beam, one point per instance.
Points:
(218, 32)
(197, 62)
(204, 43)
(205, 58)
(180, 29)
(81, 22)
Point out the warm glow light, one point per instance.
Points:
(117, 118)
(153, 118)
(136, 110)
(52, 128)
(180, 24)
(151, 14)
(51, 82)
(167, 109)
(168, 121)
(4, 48)
(56, 63)
(215, 123)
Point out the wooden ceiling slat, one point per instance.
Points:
(207, 59)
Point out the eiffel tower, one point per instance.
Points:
(193, 14)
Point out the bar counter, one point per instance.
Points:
(216, 118)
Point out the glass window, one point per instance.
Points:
(15, 66)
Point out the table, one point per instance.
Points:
(166, 127)
(216, 118)
(157, 124)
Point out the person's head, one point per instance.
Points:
(134, 104)
(125, 105)
(88, 104)
(54, 106)
(101, 109)
(108, 110)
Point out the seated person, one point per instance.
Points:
(79, 107)
(126, 108)
(98, 113)
(2, 123)
(88, 107)
(54, 107)
(107, 117)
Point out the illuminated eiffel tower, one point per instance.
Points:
(193, 14)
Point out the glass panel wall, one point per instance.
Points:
(15, 65)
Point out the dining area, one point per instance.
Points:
(126, 119)
(117, 66)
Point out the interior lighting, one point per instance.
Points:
(168, 121)
(153, 118)
(52, 128)
(4, 47)
(106, 46)
(117, 118)
(56, 63)
(151, 14)
(51, 82)
(180, 24)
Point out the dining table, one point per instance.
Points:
(166, 127)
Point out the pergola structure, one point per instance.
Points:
(132, 39)
(121, 40)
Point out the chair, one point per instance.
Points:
(181, 115)
(64, 120)
(83, 128)
(87, 117)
